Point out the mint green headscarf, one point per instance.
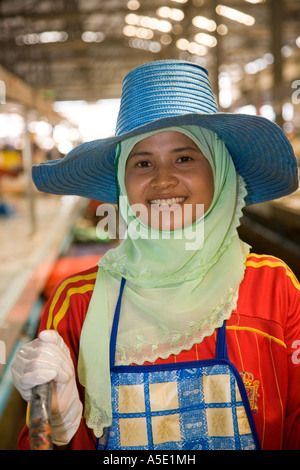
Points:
(174, 297)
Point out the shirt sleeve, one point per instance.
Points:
(292, 339)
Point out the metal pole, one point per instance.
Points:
(27, 162)
(218, 52)
(277, 17)
(40, 432)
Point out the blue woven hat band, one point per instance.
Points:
(150, 93)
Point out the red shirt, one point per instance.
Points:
(263, 337)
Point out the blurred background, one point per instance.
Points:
(61, 68)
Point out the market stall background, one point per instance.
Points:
(61, 69)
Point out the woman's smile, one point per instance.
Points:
(167, 201)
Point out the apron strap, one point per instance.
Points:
(114, 330)
(221, 346)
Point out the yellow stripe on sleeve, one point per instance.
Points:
(254, 330)
(70, 280)
(27, 414)
(63, 309)
(274, 264)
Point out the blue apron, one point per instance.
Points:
(183, 406)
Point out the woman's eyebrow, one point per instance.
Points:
(184, 149)
(139, 154)
(147, 154)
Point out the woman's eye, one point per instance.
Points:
(143, 164)
(184, 159)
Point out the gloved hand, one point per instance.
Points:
(42, 360)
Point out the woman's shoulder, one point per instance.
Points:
(269, 290)
(261, 260)
(70, 298)
(267, 267)
(78, 278)
(268, 301)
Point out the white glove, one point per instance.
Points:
(42, 360)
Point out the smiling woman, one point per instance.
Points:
(167, 172)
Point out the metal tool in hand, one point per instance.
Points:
(40, 432)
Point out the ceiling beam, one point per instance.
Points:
(19, 92)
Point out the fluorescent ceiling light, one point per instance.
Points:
(134, 31)
(259, 64)
(152, 46)
(235, 15)
(148, 22)
(204, 23)
(191, 47)
(172, 13)
(44, 37)
(206, 39)
(92, 36)
(133, 5)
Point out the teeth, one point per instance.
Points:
(167, 202)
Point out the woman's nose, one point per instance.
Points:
(164, 177)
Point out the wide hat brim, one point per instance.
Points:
(260, 150)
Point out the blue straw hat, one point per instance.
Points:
(168, 93)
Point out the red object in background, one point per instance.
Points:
(8, 172)
(66, 266)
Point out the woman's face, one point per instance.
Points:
(167, 177)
